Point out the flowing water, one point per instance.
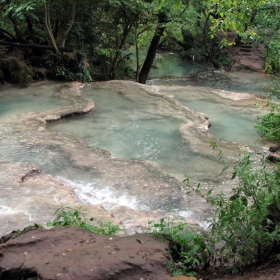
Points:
(133, 126)
(133, 123)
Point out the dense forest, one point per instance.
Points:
(86, 40)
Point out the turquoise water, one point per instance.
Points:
(227, 122)
(134, 128)
(169, 70)
(129, 125)
(15, 100)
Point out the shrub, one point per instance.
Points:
(69, 216)
(187, 247)
(243, 224)
(244, 228)
(269, 125)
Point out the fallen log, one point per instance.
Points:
(35, 46)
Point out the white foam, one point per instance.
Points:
(91, 193)
(204, 224)
(5, 210)
(186, 214)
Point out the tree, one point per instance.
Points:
(47, 20)
(129, 13)
(162, 20)
(267, 24)
(14, 13)
(162, 9)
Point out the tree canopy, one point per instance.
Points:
(111, 32)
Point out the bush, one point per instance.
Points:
(63, 67)
(187, 247)
(69, 216)
(244, 228)
(244, 223)
(269, 125)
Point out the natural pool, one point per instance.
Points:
(138, 125)
(19, 99)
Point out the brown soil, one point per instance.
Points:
(267, 271)
(246, 57)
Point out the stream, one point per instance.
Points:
(130, 154)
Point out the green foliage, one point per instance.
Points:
(272, 57)
(187, 247)
(69, 216)
(244, 224)
(104, 30)
(244, 228)
(269, 125)
(66, 68)
(19, 8)
(267, 26)
(274, 91)
(241, 222)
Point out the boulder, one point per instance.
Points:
(14, 70)
(73, 253)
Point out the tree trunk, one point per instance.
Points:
(120, 48)
(137, 57)
(151, 54)
(48, 26)
(65, 33)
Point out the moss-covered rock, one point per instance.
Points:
(14, 70)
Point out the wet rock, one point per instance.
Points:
(274, 149)
(25, 200)
(17, 233)
(273, 157)
(29, 195)
(72, 253)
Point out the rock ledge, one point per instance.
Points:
(72, 253)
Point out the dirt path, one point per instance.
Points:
(246, 57)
